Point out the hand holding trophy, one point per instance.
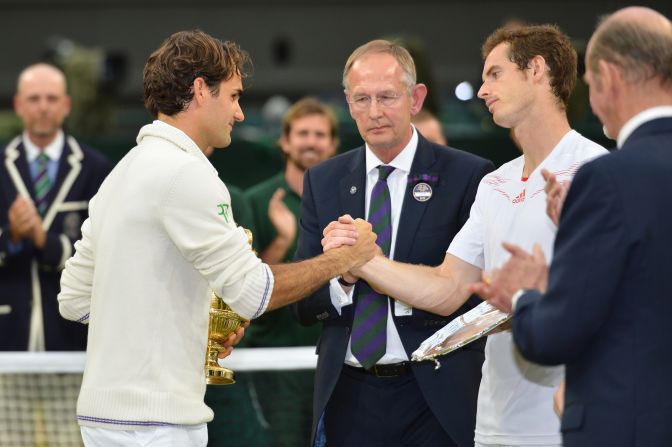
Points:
(222, 322)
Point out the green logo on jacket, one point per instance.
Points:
(224, 211)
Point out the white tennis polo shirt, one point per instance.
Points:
(515, 399)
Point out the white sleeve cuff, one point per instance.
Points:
(339, 298)
(516, 296)
(255, 294)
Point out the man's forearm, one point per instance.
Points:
(296, 281)
(419, 286)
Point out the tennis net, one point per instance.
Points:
(38, 391)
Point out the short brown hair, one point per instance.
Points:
(309, 106)
(400, 53)
(186, 55)
(424, 115)
(546, 41)
(642, 53)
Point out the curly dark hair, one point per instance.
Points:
(170, 71)
(546, 41)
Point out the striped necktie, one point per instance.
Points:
(369, 327)
(42, 183)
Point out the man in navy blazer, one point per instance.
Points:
(394, 403)
(604, 312)
(37, 236)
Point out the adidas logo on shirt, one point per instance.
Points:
(520, 197)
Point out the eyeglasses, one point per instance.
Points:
(363, 102)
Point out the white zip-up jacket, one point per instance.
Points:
(159, 237)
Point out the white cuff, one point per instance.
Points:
(339, 298)
(516, 296)
(254, 295)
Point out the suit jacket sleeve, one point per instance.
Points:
(317, 307)
(57, 249)
(591, 248)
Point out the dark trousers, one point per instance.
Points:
(365, 410)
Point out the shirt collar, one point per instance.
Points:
(187, 143)
(641, 118)
(53, 149)
(401, 162)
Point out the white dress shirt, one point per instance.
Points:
(53, 151)
(641, 118)
(396, 183)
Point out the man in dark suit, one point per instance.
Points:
(430, 189)
(46, 181)
(528, 76)
(604, 311)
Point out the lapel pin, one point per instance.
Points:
(353, 189)
(422, 192)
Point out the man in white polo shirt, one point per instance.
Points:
(528, 76)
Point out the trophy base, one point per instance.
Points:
(219, 376)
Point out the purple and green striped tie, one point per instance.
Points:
(42, 183)
(369, 328)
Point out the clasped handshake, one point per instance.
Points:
(356, 233)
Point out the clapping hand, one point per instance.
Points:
(523, 270)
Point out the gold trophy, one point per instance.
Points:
(222, 322)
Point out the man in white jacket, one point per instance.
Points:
(161, 234)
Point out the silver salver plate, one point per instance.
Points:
(463, 330)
